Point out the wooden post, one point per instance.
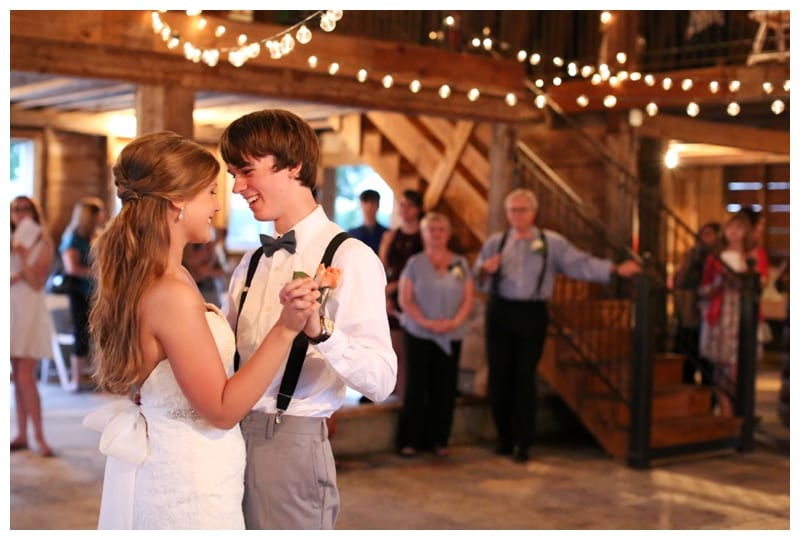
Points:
(164, 107)
(326, 191)
(501, 174)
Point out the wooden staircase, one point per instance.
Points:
(597, 391)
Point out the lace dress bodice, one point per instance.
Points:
(161, 391)
(188, 474)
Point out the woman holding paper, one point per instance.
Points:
(31, 326)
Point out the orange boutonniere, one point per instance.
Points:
(326, 277)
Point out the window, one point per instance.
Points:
(351, 180)
(22, 159)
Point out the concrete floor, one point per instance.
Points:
(566, 486)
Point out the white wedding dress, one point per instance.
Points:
(166, 468)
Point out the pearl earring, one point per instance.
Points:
(180, 216)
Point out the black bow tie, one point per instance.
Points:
(271, 245)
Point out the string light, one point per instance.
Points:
(284, 42)
(278, 45)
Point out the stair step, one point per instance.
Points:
(694, 429)
(677, 401)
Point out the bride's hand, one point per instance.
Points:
(299, 300)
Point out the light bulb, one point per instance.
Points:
(387, 81)
(414, 86)
(693, 109)
(327, 23)
(362, 75)
(444, 91)
(473, 94)
(511, 99)
(733, 108)
(651, 109)
(303, 35)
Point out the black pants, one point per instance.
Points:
(687, 341)
(431, 380)
(79, 309)
(515, 334)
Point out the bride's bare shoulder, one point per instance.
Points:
(170, 296)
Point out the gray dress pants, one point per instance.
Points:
(290, 476)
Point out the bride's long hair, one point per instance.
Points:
(131, 254)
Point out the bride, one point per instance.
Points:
(175, 454)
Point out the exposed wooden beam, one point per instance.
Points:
(471, 158)
(406, 137)
(75, 96)
(121, 45)
(444, 170)
(637, 94)
(36, 88)
(722, 134)
(79, 122)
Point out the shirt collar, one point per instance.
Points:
(307, 228)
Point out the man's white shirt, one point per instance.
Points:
(359, 353)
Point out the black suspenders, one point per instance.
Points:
(298, 353)
(496, 276)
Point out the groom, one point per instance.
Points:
(290, 477)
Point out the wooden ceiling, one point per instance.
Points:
(80, 69)
(88, 104)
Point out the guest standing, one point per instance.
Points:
(88, 218)
(689, 304)
(719, 335)
(370, 231)
(518, 268)
(397, 245)
(31, 328)
(436, 294)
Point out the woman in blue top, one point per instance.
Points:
(436, 294)
(88, 217)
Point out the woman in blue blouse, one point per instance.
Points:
(88, 217)
(436, 294)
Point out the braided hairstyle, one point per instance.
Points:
(131, 254)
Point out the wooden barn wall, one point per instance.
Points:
(594, 179)
(69, 166)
